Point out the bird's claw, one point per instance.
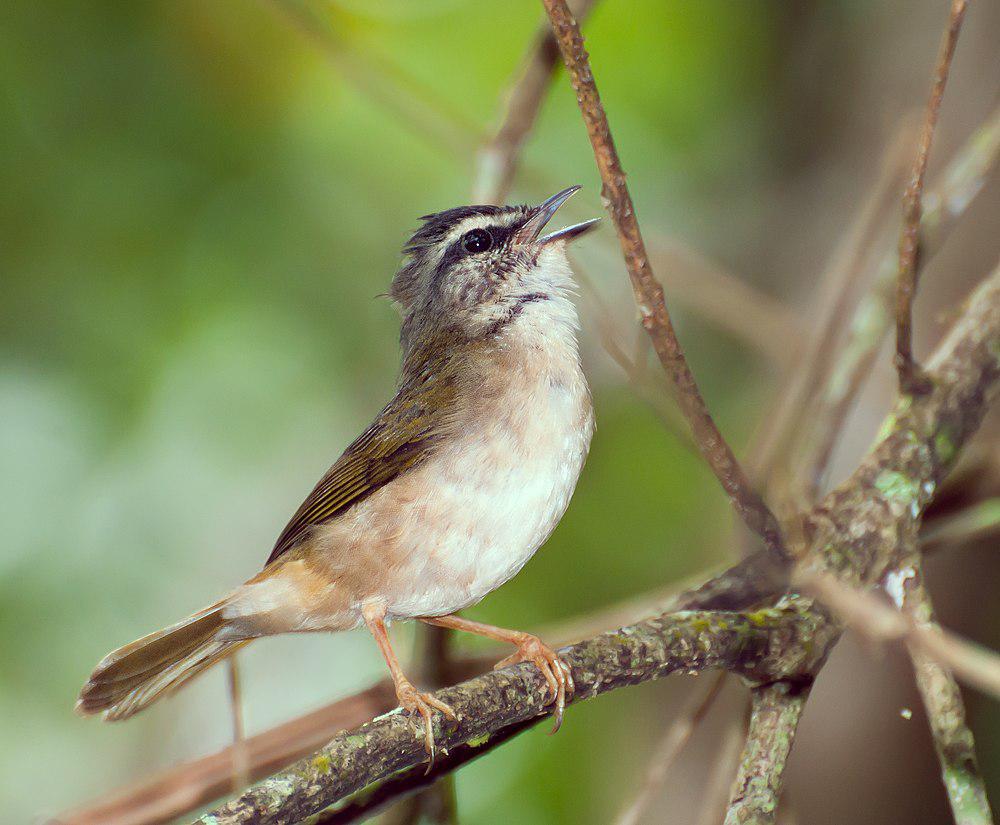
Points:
(556, 672)
(413, 701)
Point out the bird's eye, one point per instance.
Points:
(476, 240)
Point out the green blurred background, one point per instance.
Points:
(200, 204)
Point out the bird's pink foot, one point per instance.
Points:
(415, 702)
(555, 671)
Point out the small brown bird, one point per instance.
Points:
(450, 491)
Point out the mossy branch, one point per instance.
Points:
(774, 718)
(775, 643)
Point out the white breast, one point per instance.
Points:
(495, 495)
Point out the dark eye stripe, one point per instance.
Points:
(455, 251)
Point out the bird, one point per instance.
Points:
(454, 486)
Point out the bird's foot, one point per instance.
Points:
(414, 701)
(556, 672)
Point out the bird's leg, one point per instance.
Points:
(410, 699)
(529, 649)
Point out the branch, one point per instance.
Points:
(769, 644)
(953, 740)
(960, 184)
(774, 719)
(416, 780)
(969, 524)
(498, 159)
(414, 106)
(837, 288)
(647, 290)
(722, 773)
(870, 616)
(241, 759)
(910, 380)
(725, 299)
(675, 738)
(855, 530)
(191, 785)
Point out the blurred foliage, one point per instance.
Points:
(197, 214)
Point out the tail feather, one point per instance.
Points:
(131, 678)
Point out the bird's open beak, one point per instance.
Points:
(543, 214)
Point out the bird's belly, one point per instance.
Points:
(483, 507)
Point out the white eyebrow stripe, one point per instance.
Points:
(477, 222)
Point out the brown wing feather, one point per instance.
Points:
(403, 435)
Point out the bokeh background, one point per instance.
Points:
(199, 205)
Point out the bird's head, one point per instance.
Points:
(474, 269)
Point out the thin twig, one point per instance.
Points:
(498, 160)
(960, 184)
(837, 296)
(729, 302)
(647, 290)
(674, 740)
(415, 107)
(189, 786)
(722, 775)
(774, 718)
(910, 378)
(872, 617)
(972, 523)
(953, 740)
(241, 758)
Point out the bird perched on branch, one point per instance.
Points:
(449, 492)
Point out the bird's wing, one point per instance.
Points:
(405, 433)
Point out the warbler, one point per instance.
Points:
(458, 481)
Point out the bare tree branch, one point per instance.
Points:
(189, 786)
(497, 161)
(872, 617)
(837, 296)
(756, 645)
(674, 740)
(722, 775)
(774, 718)
(953, 740)
(371, 801)
(973, 522)
(910, 380)
(647, 290)
(943, 206)
(241, 759)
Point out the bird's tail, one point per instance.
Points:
(131, 678)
